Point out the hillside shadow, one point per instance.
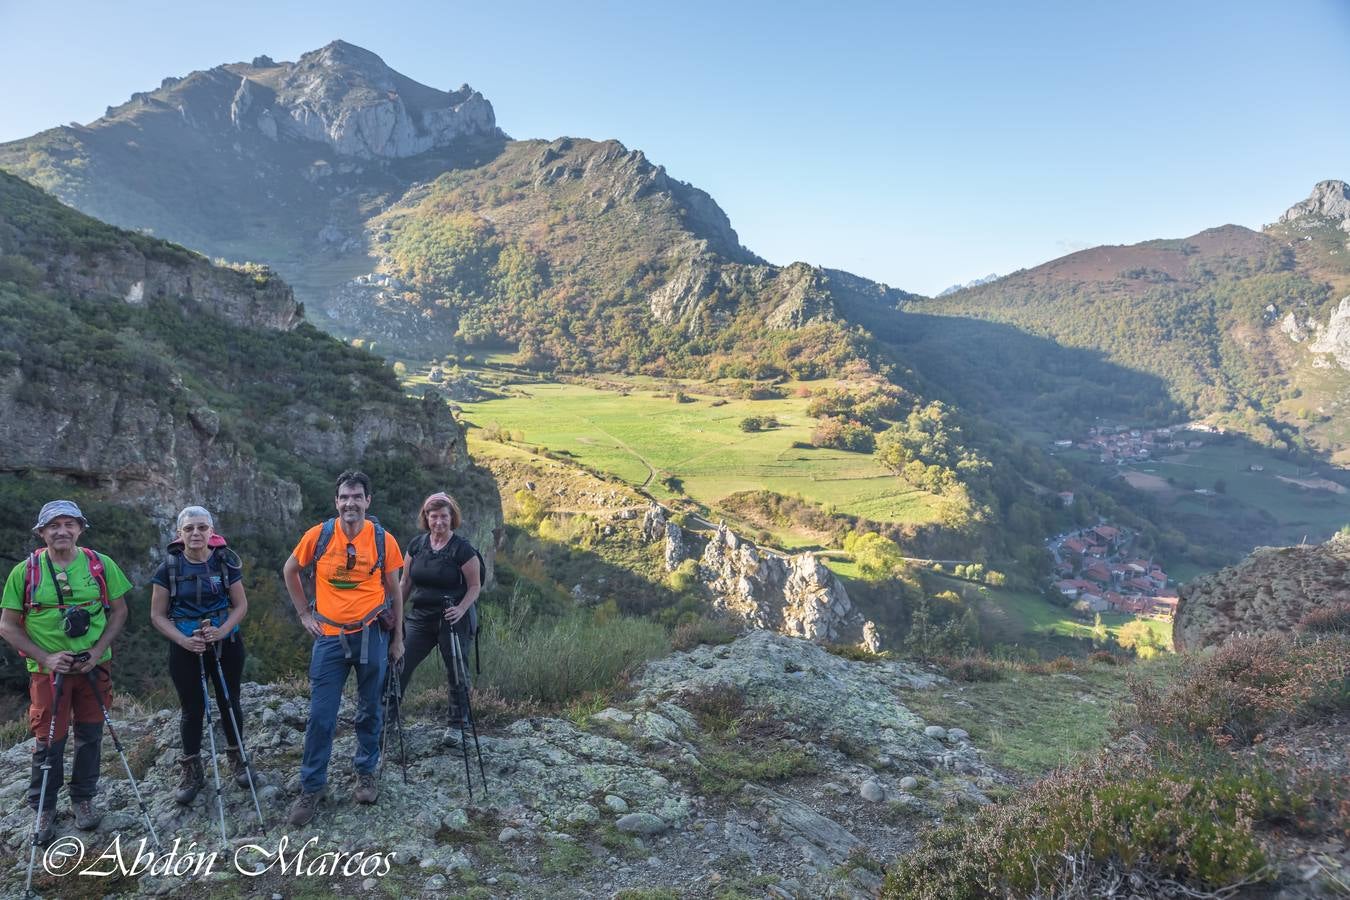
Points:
(1021, 380)
(1044, 391)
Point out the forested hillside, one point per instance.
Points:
(1212, 318)
(138, 378)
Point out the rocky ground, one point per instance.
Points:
(764, 767)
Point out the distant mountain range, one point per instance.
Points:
(337, 167)
(969, 284)
(402, 214)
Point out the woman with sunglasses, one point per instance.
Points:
(197, 601)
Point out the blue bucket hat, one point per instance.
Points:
(57, 508)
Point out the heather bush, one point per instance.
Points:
(1112, 815)
(1327, 620)
(1246, 686)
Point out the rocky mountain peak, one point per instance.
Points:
(347, 97)
(1329, 199)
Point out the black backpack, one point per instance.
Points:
(482, 580)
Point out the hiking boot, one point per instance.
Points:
(87, 815)
(238, 768)
(190, 780)
(367, 789)
(46, 827)
(304, 808)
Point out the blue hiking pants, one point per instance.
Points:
(328, 667)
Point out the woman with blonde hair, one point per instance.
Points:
(441, 583)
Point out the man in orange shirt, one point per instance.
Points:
(357, 623)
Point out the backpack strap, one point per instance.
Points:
(100, 577)
(32, 577)
(379, 545)
(321, 545)
(326, 532)
(32, 574)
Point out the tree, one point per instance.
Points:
(877, 557)
(1137, 634)
(1098, 630)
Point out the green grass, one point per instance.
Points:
(644, 439)
(1034, 723)
(1298, 511)
(1009, 616)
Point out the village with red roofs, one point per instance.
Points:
(1097, 571)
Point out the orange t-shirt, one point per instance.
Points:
(342, 594)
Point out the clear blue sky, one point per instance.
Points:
(917, 144)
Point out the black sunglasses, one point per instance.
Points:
(351, 556)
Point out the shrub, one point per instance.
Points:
(1106, 657)
(971, 668)
(857, 653)
(685, 577)
(1116, 816)
(759, 423)
(703, 630)
(1327, 620)
(552, 661)
(1248, 685)
(531, 508)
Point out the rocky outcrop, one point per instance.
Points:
(801, 297)
(143, 432)
(1271, 590)
(346, 97)
(684, 294)
(630, 797)
(1334, 340)
(1329, 200)
(140, 449)
(252, 297)
(791, 595)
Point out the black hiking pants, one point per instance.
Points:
(424, 629)
(187, 681)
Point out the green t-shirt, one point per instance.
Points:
(43, 622)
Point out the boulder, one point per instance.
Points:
(1269, 591)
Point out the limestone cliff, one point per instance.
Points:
(140, 370)
(1269, 591)
(792, 595)
(346, 97)
(1328, 200)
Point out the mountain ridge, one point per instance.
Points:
(1244, 325)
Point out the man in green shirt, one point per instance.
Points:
(60, 603)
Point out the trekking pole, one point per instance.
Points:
(391, 698)
(215, 762)
(454, 688)
(238, 733)
(58, 677)
(107, 720)
(468, 709)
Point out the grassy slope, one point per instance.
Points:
(1032, 723)
(1298, 511)
(644, 438)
